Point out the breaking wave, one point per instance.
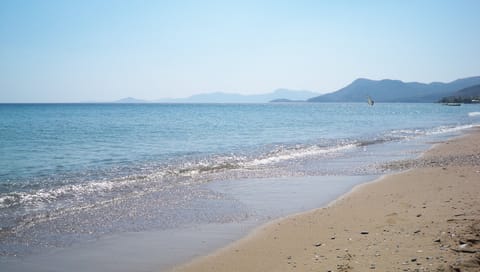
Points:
(412, 133)
(299, 152)
(474, 113)
(194, 170)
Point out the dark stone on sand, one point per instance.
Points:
(465, 250)
(364, 232)
(473, 241)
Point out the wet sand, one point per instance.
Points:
(426, 218)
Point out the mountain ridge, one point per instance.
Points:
(130, 100)
(390, 90)
(469, 91)
(223, 97)
(383, 90)
(466, 95)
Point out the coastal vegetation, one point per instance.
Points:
(460, 99)
(469, 95)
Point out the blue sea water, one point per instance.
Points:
(75, 171)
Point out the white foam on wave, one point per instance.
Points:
(136, 182)
(474, 113)
(188, 169)
(412, 133)
(196, 168)
(299, 153)
(405, 133)
(74, 190)
(448, 129)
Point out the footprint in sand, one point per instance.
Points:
(392, 218)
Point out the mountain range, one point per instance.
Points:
(472, 91)
(220, 97)
(386, 90)
(130, 100)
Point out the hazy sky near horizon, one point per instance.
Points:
(70, 51)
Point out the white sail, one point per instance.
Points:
(370, 101)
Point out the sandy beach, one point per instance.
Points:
(426, 218)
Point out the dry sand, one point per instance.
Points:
(423, 219)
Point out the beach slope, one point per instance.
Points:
(423, 219)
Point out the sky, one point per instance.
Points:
(90, 50)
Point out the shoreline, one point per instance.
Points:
(139, 251)
(415, 235)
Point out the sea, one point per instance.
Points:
(76, 175)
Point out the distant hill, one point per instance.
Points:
(283, 100)
(465, 95)
(388, 90)
(473, 91)
(220, 97)
(130, 100)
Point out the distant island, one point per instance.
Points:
(130, 100)
(222, 97)
(283, 100)
(465, 90)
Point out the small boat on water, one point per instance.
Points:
(452, 104)
(370, 101)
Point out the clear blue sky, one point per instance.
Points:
(69, 51)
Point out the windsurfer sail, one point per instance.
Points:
(370, 101)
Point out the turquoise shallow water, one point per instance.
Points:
(86, 141)
(86, 170)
